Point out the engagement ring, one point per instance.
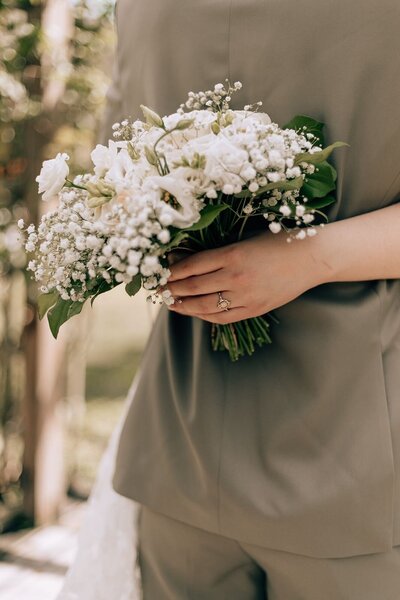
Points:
(223, 303)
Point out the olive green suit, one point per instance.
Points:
(298, 447)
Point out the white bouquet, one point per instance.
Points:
(199, 178)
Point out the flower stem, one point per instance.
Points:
(238, 338)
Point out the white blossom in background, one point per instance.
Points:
(13, 94)
(11, 88)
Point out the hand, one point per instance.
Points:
(256, 275)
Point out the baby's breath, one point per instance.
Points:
(215, 100)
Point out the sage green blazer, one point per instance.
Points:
(298, 447)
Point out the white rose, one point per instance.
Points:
(52, 176)
(225, 155)
(103, 158)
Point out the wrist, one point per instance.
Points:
(325, 255)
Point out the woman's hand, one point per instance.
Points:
(265, 272)
(256, 275)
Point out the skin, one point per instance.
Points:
(265, 272)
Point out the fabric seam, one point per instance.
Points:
(381, 312)
(224, 367)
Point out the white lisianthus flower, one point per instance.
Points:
(121, 172)
(52, 176)
(103, 157)
(183, 209)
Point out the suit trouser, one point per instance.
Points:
(181, 562)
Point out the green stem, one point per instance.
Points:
(70, 183)
(242, 227)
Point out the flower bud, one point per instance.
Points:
(96, 201)
(104, 188)
(92, 188)
(184, 124)
(215, 128)
(133, 153)
(150, 155)
(152, 118)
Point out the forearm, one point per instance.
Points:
(360, 248)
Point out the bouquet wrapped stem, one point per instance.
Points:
(241, 338)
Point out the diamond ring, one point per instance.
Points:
(223, 303)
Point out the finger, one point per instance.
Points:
(202, 262)
(199, 284)
(207, 304)
(224, 317)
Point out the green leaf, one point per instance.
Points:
(285, 185)
(75, 309)
(320, 183)
(104, 286)
(320, 202)
(134, 286)
(245, 194)
(208, 215)
(311, 126)
(46, 301)
(62, 312)
(177, 238)
(318, 157)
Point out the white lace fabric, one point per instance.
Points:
(105, 566)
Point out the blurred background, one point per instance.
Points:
(59, 401)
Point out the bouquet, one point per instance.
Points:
(200, 178)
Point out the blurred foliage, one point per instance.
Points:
(51, 97)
